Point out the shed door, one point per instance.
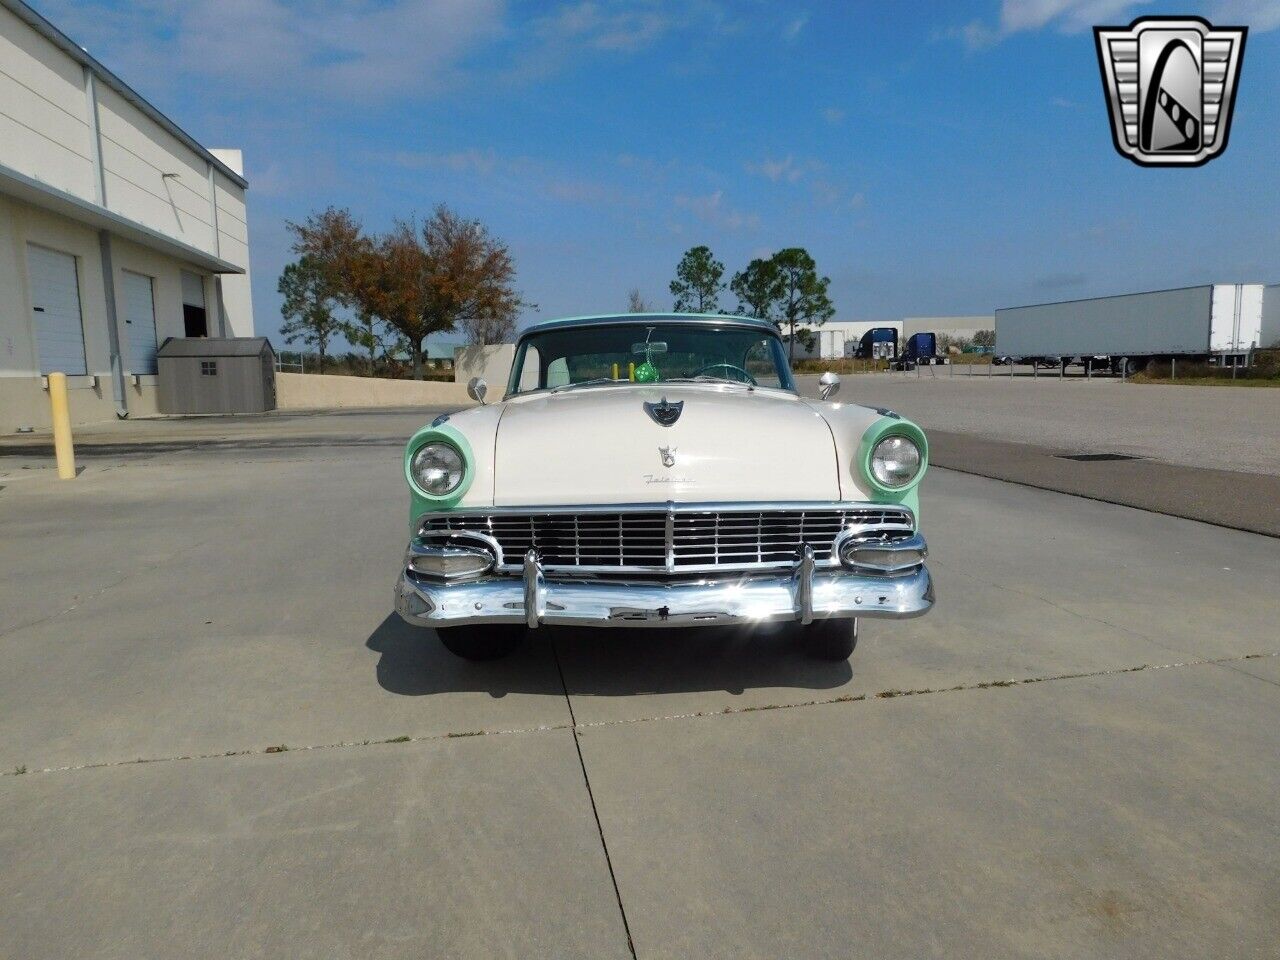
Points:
(55, 310)
(139, 321)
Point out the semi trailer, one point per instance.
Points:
(1220, 323)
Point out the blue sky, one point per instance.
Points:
(935, 158)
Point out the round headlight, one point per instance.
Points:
(437, 468)
(895, 461)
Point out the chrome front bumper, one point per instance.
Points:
(804, 594)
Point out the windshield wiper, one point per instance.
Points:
(707, 378)
(586, 383)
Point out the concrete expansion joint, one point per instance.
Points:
(576, 727)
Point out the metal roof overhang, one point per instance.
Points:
(50, 198)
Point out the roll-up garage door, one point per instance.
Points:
(139, 321)
(55, 310)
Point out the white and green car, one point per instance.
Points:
(658, 470)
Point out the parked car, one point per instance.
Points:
(656, 470)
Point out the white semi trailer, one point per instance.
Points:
(1221, 323)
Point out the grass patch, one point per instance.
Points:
(20, 769)
(1216, 381)
(1265, 372)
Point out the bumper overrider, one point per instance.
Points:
(864, 579)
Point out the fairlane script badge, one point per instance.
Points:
(664, 413)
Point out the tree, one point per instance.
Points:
(758, 289)
(636, 303)
(984, 338)
(697, 284)
(369, 333)
(418, 281)
(335, 241)
(804, 297)
(308, 305)
(471, 279)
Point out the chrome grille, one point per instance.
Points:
(678, 538)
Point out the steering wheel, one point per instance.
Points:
(746, 377)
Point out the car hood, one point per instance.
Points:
(599, 445)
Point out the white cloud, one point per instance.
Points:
(347, 49)
(833, 115)
(1259, 15)
(604, 27)
(713, 210)
(836, 197)
(1070, 16)
(479, 162)
(1016, 16)
(792, 30)
(779, 171)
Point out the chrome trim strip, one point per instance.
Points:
(671, 536)
(710, 506)
(835, 594)
(804, 586)
(533, 605)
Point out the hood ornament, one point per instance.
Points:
(668, 455)
(665, 413)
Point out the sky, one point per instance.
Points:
(934, 158)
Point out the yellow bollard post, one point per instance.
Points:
(62, 448)
(631, 370)
(615, 371)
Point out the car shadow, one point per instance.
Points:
(606, 663)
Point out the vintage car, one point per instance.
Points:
(660, 470)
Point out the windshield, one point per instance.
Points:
(649, 353)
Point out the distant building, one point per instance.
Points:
(117, 230)
(958, 328)
(840, 338)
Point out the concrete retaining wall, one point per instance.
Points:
(312, 391)
(493, 363)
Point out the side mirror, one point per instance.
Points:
(477, 388)
(828, 385)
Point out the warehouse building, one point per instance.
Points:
(117, 230)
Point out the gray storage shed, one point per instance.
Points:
(216, 375)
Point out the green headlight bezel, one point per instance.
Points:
(882, 429)
(441, 434)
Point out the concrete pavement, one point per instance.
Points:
(1099, 785)
(1217, 428)
(1209, 454)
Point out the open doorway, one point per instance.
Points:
(195, 318)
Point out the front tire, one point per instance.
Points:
(832, 640)
(489, 641)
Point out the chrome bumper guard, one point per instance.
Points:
(805, 594)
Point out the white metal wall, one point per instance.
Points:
(55, 310)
